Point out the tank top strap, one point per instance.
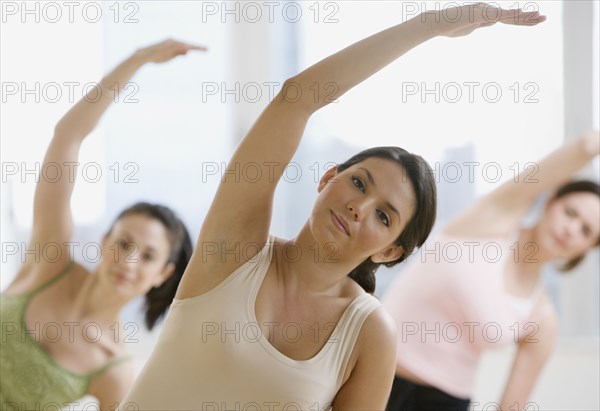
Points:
(356, 313)
(51, 281)
(110, 364)
(349, 327)
(258, 264)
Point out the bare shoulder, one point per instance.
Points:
(33, 276)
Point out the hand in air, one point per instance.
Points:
(166, 50)
(461, 21)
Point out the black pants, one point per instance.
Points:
(408, 396)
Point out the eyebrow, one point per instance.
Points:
(129, 238)
(387, 203)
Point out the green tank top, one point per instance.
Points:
(29, 378)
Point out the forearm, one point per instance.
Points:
(533, 352)
(340, 72)
(546, 175)
(526, 370)
(517, 401)
(563, 163)
(83, 117)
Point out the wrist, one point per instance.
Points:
(428, 23)
(138, 58)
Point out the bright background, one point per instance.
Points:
(174, 126)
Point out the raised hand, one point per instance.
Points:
(461, 21)
(166, 50)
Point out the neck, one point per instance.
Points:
(98, 303)
(318, 268)
(531, 256)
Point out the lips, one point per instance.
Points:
(122, 277)
(340, 223)
(560, 240)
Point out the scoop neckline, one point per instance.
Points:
(251, 312)
(86, 377)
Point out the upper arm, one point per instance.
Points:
(240, 213)
(370, 383)
(500, 211)
(111, 386)
(549, 173)
(533, 352)
(52, 220)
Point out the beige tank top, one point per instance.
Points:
(211, 354)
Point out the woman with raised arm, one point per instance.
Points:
(486, 291)
(61, 336)
(264, 323)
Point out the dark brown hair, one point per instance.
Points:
(158, 299)
(419, 227)
(582, 186)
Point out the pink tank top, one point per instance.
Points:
(451, 304)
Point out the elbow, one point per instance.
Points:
(298, 95)
(67, 133)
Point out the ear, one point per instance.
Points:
(164, 276)
(392, 253)
(327, 177)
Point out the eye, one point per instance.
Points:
(586, 231)
(148, 257)
(358, 183)
(124, 245)
(570, 212)
(383, 217)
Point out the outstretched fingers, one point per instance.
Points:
(195, 47)
(167, 50)
(494, 14)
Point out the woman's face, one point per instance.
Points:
(570, 225)
(135, 255)
(362, 210)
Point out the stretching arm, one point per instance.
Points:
(52, 212)
(533, 351)
(501, 211)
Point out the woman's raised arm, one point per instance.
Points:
(501, 211)
(52, 212)
(549, 173)
(241, 210)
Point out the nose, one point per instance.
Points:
(572, 228)
(127, 259)
(357, 208)
(126, 265)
